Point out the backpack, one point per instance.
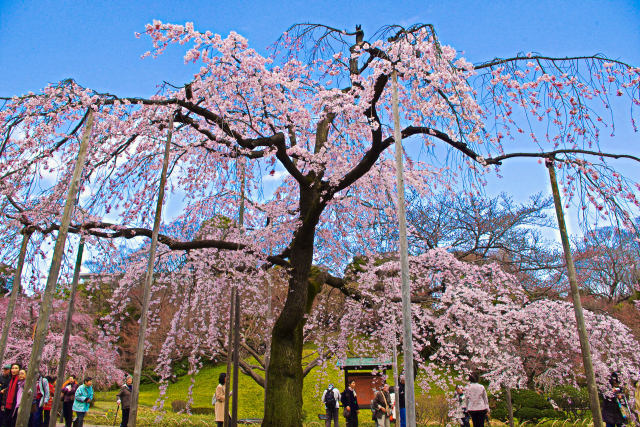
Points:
(329, 399)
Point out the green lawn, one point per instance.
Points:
(250, 404)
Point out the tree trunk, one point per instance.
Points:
(283, 401)
(283, 394)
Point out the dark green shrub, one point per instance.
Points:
(573, 401)
(527, 406)
(534, 414)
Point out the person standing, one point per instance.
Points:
(10, 394)
(68, 396)
(461, 413)
(46, 407)
(4, 384)
(382, 405)
(219, 397)
(82, 401)
(40, 397)
(124, 400)
(610, 404)
(16, 397)
(476, 401)
(331, 400)
(401, 403)
(349, 401)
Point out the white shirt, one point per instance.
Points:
(476, 397)
(336, 394)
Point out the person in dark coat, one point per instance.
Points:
(403, 411)
(4, 384)
(349, 401)
(610, 404)
(68, 396)
(124, 399)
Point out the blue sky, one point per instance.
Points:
(94, 42)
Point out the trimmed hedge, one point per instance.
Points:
(527, 406)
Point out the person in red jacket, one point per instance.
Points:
(11, 393)
(46, 408)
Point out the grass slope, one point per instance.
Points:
(251, 395)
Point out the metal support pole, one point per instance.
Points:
(227, 389)
(62, 364)
(137, 371)
(577, 303)
(236, 360)
(42, 325)
(407, 342)
(15, 290)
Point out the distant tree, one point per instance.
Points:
(91, 352)
(608, 263)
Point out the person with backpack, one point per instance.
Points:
(349, 402)
(40, 397)
(46, 408)
(82, 401)
(331, 400)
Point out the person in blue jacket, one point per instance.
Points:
(84, 396)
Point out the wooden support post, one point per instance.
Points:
(236, 360)
(42, 325)
(227, 389)
(15, 291)
(407, 336)
(577, 303)
(509, 406)
(137, 371)
(62, 364)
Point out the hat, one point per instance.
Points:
(7, 366)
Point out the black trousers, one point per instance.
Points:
(352, 419)
(125, 417)
(478, 417)
(67, 411)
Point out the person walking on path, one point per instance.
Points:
(124, 400)
(68, 396)
(218, 399)
(382, 404)
(476, 401)
(331, 400)
(82, 401)
(349, 402)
